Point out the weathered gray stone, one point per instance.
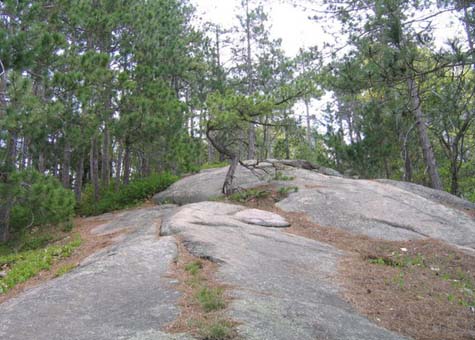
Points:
(281, 283)
(432, 194)
(381, 209)
(377, 209)
(328, 171)
(121, 292)
(262, 218)
(208, 185)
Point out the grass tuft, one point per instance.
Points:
(211, 299)
(194, 267)
(248, 195)
(217, 330)
(65, 269)
(279, 176)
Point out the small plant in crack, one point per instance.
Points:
(211, 299)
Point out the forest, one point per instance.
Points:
(105, 102)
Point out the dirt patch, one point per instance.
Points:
(424, 289)
(90, 245)
(201, 316)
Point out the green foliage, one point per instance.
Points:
(399, 260)
(27, 264)
(39, 200)
(249, 194)
(65, 269)
(280, 176)
(194, 267)
(214, 165)
(128, 195)
(284, 191)
(211, 299)
(217, 330)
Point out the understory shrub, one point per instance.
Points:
(39, 200)
(129, 195)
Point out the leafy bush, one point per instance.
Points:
(25, 265)
(127, 195)
(39, 200)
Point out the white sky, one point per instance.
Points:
(296, 30)
(287, 22)
(293, 25)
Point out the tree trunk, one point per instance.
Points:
(127, 164)
(94, 168)
(118, 167)
(407, 165)
(66, 166)
(105, 169)
(12, 150)
(24, 154)
(228, 181)
(4, 222)
(421, 121)
(286, 137)
(265, 146)
(309, 132)
(41, 162)
(211, 154)
(79, 177)
(251, 154)
(454, 183)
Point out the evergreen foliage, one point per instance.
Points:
(39, 200)
(129, 195)
(101, 95)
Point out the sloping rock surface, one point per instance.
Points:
(208, 184)
(281, 283)
(119, 293)
(382, 209)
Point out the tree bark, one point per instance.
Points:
(421, 122)
(118, 167)
(454, 183)
(24, 154)
(94, 168)
(309, 132)
(66, 166)
(4, 222)
(12, 149)
(228, 188)
(105, 164)
(127, 164)
(251, 154)
(79, 178)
